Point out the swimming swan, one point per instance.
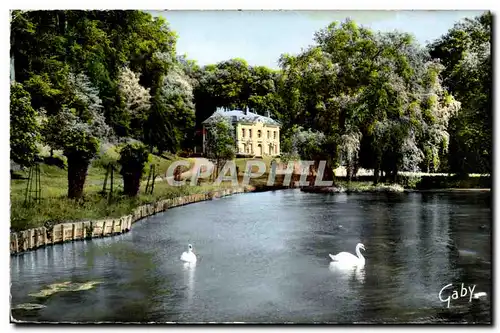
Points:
(189, 256)
(348, 258)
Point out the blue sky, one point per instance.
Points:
(260, 37)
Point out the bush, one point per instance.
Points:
(440, 182)
(133, 159)
(408, 181)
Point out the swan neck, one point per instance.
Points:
(360, 256)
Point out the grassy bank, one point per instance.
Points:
(55, 207)
(426, 182)
(407, 182)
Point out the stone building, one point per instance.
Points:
(256, 135)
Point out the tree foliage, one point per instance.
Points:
(24, 126)
(220, 142)
(135, 98)
(465, 52)
(80, 69)
(376, 97)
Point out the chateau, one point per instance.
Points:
(256, 135)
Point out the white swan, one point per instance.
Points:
(346, 258)
(189, 256)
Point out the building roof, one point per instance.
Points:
(237, 116)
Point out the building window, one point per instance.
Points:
(276, 149)
(259, 133)
(242, 132)
(274, 133)
(250, 133)
(268, 136)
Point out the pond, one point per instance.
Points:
(264, 258)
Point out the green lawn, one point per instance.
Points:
(242, 162)
(55, 207)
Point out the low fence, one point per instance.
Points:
(65, 232)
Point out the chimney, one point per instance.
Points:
(268, 114)
(246, 111)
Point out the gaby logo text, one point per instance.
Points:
(454, 294)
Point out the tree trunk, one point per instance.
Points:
(77, 172)
(348, 170)
(355, 170)
(131, 182)
(376, 175)
(327, 174)
(312, 174)
(395, 175)
(384, 175)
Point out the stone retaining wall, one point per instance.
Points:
(65, 232)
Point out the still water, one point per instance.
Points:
(263, 258)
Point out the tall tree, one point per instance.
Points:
(376, 97)
(78, 130)
(220, 141)
(465, 52)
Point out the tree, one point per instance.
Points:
(47, 47)
(220, 141)
(24, 126)
(78, 129)
(465, 52)
(376, 97)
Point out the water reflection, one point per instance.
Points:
(189, 272)
(347, 272)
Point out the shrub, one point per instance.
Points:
(409, 181)
(133, 159)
